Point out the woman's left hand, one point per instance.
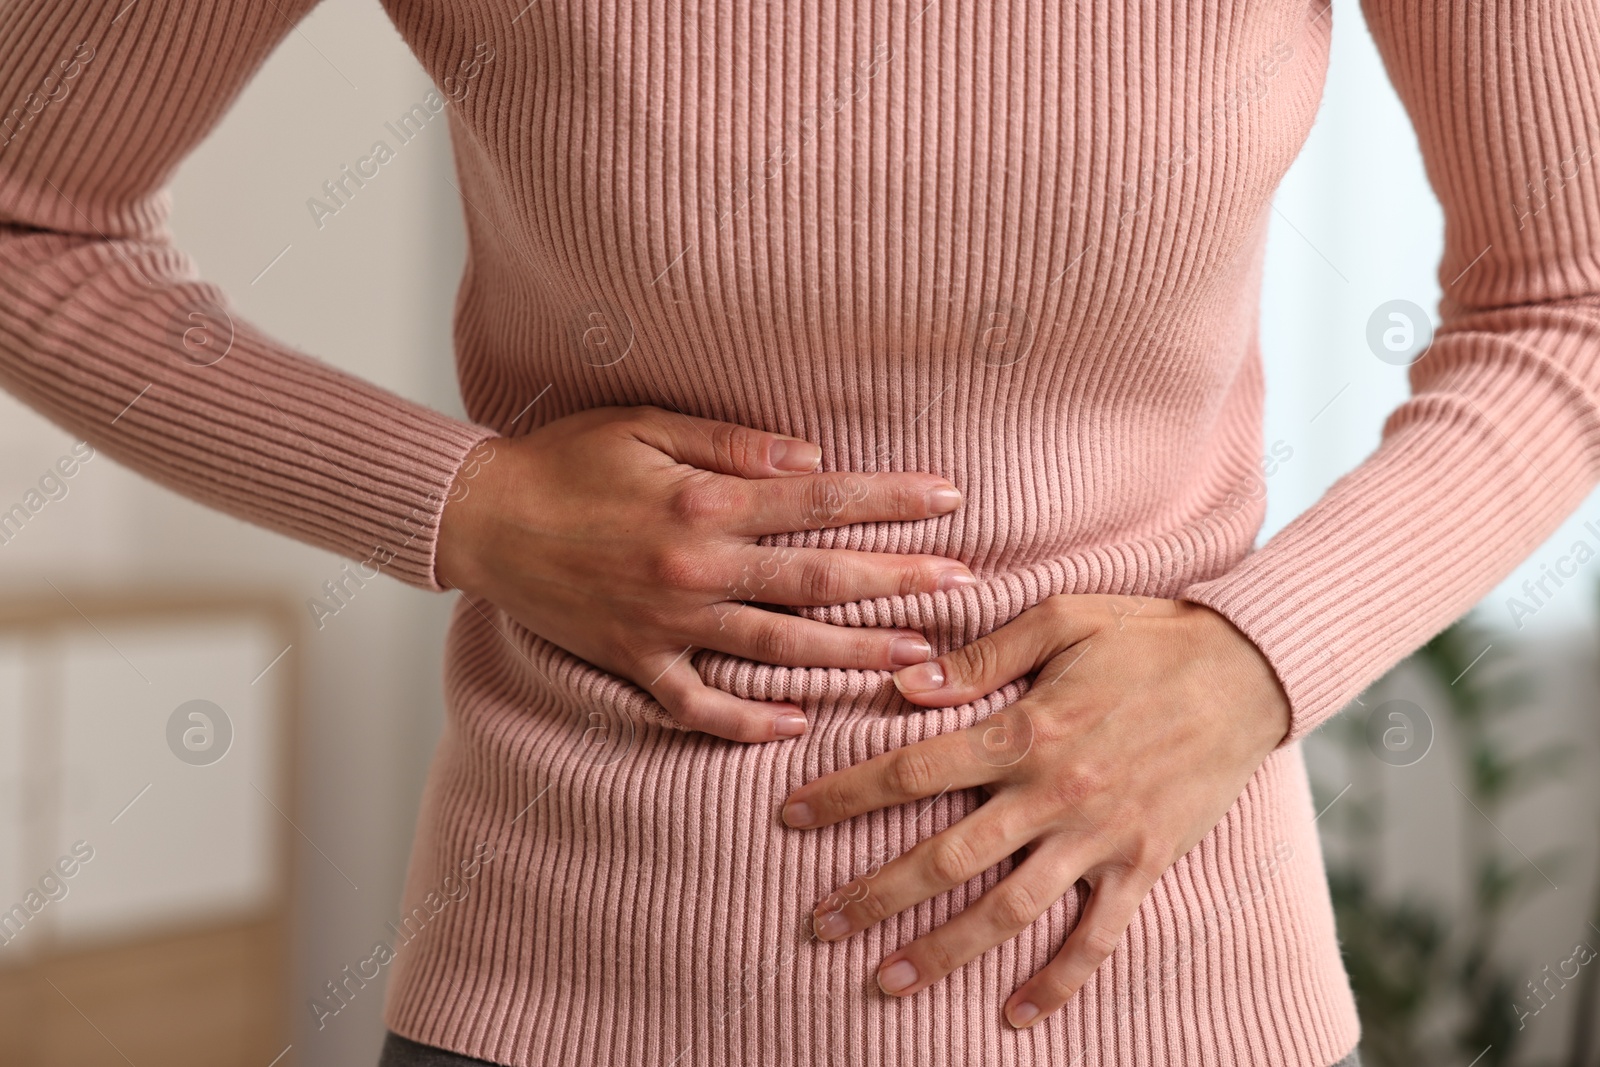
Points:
(1143, 725)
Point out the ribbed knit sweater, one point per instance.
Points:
(1016, 244)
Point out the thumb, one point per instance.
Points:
(725, 447)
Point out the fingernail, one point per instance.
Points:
(797, 814)
(905, 651)
(922, 678)
(944, 499)
(789, 725)
(1023, 1014)
(793, 454)
(897, 976)
(830, 926)
(956, 580)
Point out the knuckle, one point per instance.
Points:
(687, 711)
(746, 448)
(916, 578)
(910, 773)
(951, 862)
(642, 416)
(1151, 856)
(1044, 729)
(676, 567)
(1071, 790)
(834, 903)
(749, 729)
(1007, 832)
(633, 650)
(647, 422)
(870, 906)
(977, 660)
(922, 576)
(724, 612)
(774, 641)
(1050, 988)
(1015, 908)
(1057, 609)
(701, 501)
(938, 956)
(820, 501)
(908, 501)
(826, 580)
(1099, 942)
(745, 733)
(723, 441)
(836, 799)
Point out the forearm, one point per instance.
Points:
(1501, 439)
(1499, 445)
(263, 432)
(106, 329)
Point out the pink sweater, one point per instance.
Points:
(1018, 244)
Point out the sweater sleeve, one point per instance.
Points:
(1500, 440)
(106, 329)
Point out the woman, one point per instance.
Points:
(861, 656)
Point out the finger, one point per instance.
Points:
(822, 501)
(724, 447)
(1113, 902)
(1020, 647)
(936, 865)
(700, 707)
(790, 641)
(928, 768)
(999, 915)
(804, 577)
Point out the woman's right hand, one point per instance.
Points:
(627, 536)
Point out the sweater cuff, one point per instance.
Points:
(423, 469)
(1262, 606)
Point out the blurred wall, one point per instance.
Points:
(1355, 227)
(370, 292)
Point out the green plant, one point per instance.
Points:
(1431, 991)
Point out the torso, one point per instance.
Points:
(1015, 244)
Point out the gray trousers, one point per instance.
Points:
(398, 1052)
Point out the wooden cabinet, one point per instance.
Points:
(146, 798)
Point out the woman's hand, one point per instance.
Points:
(1142, 726)
(627, 536)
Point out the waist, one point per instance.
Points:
(662, 866)
(1160, 565)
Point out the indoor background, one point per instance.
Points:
(1466, 882)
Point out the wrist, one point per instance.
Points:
(464, 517)
(1246, 672)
